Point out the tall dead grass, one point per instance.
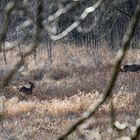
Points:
(73, 82)
(74, 104)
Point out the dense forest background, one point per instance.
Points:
(107, 24)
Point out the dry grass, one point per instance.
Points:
(69, 86)
(36, 113)
(74, 104)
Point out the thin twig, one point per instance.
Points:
(60, 12)
(4, 53)
(120, 10)
(21, 55)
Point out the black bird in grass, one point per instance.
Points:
(130, 68)
(27, 90)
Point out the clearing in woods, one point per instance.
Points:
(64, 90)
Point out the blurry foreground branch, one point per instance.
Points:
(10, 6)
(74, 25)
(117, 61)
(3, 30)
(38, 29)
(60, 12)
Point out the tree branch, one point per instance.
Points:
(38, 28)
(117, 61)
(121, 11)
(77, 23)
(10, 6)
(60, 12)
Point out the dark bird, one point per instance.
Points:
(27, 90)
(130, 68)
